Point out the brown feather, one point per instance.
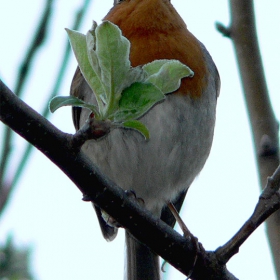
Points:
(153, 35)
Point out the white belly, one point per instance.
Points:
(181, 132)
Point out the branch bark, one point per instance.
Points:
(62, 150)
(264, 126)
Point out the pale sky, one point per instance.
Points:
(46, 210)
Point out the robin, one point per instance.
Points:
(161, 169)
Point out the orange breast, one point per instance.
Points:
(156, 31)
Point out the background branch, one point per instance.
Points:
(37, 41)
(206, 208)
(264, 126)
(6, 186)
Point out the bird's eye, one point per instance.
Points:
(118, 1)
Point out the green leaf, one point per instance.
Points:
(136, 100)
(136, 125)
(91, 75)
(91, 38)
(123, 93)
(94, 62)
(60, 101)
(135, 74)
(112, 50)
(167, 74)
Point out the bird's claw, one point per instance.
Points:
(131, 194)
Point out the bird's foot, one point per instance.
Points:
(131, 194)
(110, 220)
(186, 232)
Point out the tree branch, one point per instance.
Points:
(38, 39)
(62, 150)
(24, 68)
(264, 126)
(268, 203)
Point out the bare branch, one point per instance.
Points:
(58, 147)
(39, 37)
(38, 40)
(264, 125)
(268, 203)
(56, 87)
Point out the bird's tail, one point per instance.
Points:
(141, 262)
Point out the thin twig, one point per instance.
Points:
(60, 76)
(38, 39)
(24, 68)
(268, 203)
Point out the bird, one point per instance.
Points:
(161, 169)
